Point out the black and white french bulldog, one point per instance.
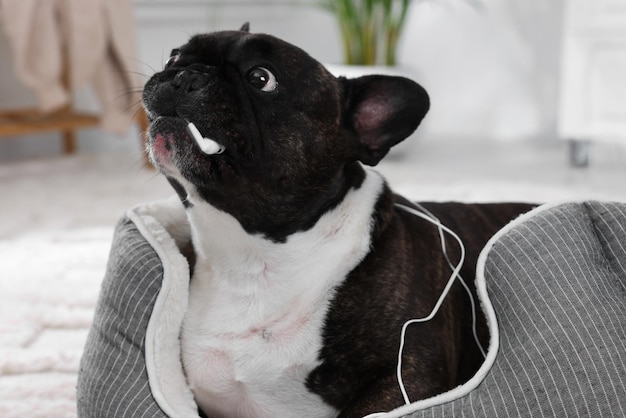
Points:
(304, 271)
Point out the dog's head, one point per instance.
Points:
(291, 132)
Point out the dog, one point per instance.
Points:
(304, 269)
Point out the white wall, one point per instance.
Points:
(491, 73)
(164, 25)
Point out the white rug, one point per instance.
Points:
(49, 284)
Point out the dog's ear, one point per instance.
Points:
(245, 27)
(383, 111)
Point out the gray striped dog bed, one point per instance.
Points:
(552, 285)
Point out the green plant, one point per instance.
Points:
(370, 29)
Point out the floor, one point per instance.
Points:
(93, 190)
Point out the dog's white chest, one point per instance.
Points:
(253, 329)
(247, 358)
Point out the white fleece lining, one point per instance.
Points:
(166, 377)
(165, 373)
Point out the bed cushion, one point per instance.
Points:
(557, 281)
(131, 363)
(113, 380)
(552, 285)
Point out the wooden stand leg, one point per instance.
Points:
(69, 142)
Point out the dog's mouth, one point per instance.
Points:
(176, 145)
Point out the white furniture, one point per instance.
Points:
(593, 75)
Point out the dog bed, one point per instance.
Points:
(552, 285)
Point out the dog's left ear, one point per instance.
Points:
(245, 27)
(383, 111)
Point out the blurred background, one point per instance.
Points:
(490, 66)
(528, 103)
(524, 92)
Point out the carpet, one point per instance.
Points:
(49, 286)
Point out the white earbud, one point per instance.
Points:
(207, 145)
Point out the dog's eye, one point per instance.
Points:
(262, 79)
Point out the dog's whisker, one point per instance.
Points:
(139, 73)
(136, 105)
(145, 64)
(126, 93)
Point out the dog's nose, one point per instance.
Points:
(190, 80)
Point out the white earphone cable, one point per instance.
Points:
(461, 280)
(426, 215)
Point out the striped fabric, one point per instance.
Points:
(113, 380)
(557, 281)
(558, 285)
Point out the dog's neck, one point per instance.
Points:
(220, 239)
